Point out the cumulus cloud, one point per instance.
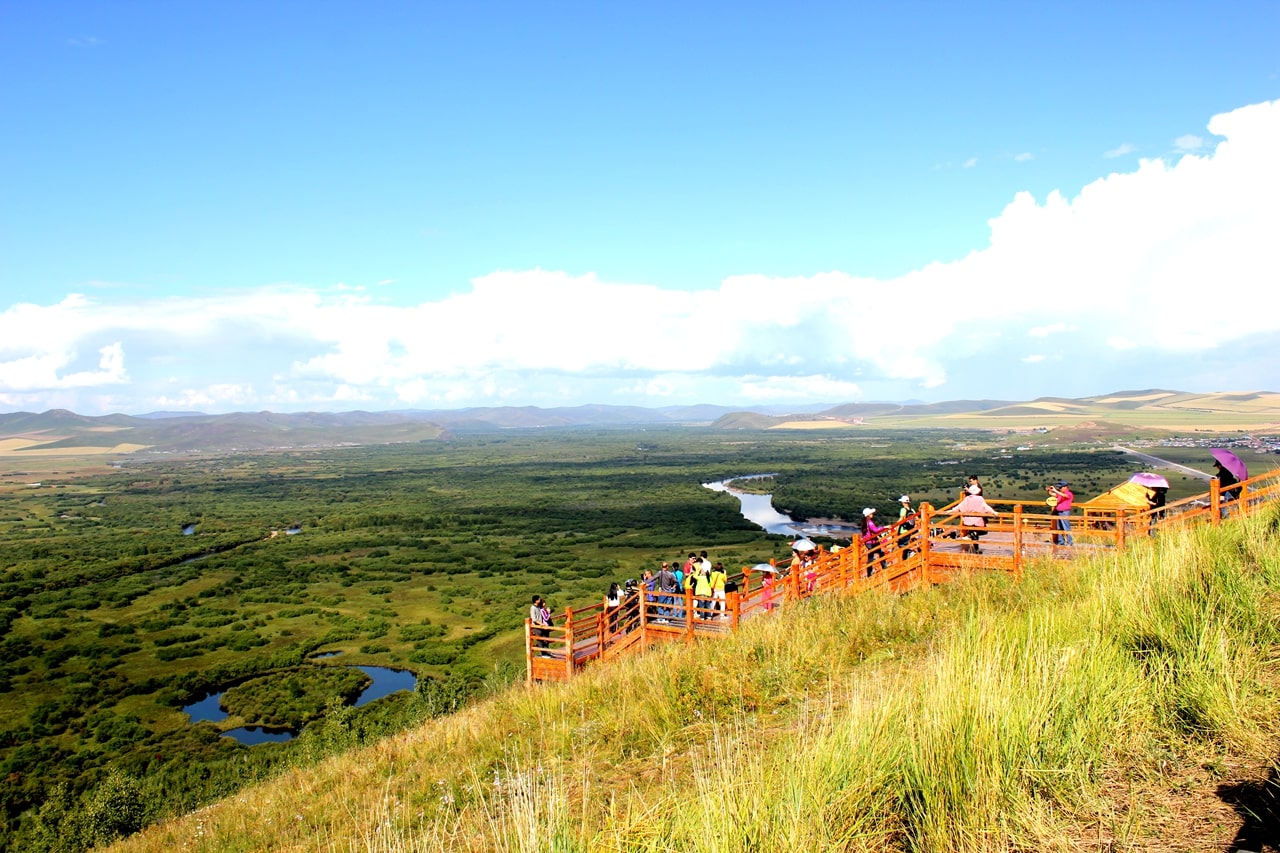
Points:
(1120, 150)
(1114, 286)
(1023, 157)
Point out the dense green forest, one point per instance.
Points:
(124, 596)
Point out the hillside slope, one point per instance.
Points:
(1125, 703)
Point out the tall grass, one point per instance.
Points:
(984, 715)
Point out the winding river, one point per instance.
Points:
(759, 509)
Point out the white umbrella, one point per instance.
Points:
(803, 545)
(764, 567)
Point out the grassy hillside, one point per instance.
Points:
(1125, 703)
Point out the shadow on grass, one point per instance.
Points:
(1258, 804)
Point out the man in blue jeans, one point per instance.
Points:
(1062, 509)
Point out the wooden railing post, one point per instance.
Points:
(1120, 522)
(528, 649)
(926, 526)
(1017, 541)
(568, 642)
(735, 609)
(842, 568)
(688, 611)
(1215, 501)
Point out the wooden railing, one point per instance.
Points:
(938, 547)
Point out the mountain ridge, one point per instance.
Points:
(63, 431)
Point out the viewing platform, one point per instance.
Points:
(940, 545)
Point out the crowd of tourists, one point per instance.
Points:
(696, 587)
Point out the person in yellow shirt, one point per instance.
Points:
(702, 592)
(718, 580)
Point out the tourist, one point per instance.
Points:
(906, 523)
(540, 617)
(1156, 499)
(670, 588)
(766, 591)
(1225, 494)
(974, 487)
(718, 581)
(612, 600)
(1062, 498)
(871, 539)
(702, 592)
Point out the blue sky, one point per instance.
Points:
(329, 206)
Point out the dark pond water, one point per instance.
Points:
(188, 529)
(385, 682)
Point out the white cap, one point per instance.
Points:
(905, 499)
(868, 510)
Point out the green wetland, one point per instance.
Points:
(130, 592)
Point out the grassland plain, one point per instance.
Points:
(1122, 703)
(420, 556)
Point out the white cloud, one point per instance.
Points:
(970, 163)
(1188, 143)
(1023, 157)
(1150, 248)
(1051, 329)
(1120, 150)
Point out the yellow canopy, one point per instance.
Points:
(1125, 495)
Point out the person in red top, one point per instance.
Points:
(1062, 509)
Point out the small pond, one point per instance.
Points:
(385, 682)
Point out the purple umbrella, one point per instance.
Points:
(1151, 481)
(1231, 462)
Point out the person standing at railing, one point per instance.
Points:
(670, 588)
(702, 592)
(1156, 497)
(871, 539)
(1062, 495)
(1225, 480)
(612, 601)
(974, 487)
(540, 616)
(718, 580)
(905, 525)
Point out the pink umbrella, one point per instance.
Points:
(1151, 481)
(1231, 462)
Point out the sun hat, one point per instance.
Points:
(868, 510)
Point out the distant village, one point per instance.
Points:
(1256, 443)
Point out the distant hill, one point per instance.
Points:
(60, 432)
(1112, 414)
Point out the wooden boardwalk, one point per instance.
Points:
(939, 547)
